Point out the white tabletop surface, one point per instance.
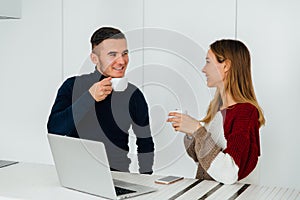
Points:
(40, 181)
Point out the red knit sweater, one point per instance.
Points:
(241, 130)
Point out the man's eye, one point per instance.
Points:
(113, 54)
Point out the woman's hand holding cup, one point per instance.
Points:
(183, 122)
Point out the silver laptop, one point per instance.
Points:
(83, 165)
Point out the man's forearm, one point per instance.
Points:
(64, 121)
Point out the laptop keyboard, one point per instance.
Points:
(121, 191)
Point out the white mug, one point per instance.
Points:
(178, 111)
(119, 84)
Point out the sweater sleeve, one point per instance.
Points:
(243, 140)
(65, 113)
(205, 147)
(190, 148)
(218, 165)
(141, 128)
(240, 156)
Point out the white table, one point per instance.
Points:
(39, 181)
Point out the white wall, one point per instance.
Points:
(272, 34)
(51, 43)
(30, 72)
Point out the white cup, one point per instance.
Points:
(119, 84)
(177, 111)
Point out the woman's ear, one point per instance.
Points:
(94, 58)
(227, 65)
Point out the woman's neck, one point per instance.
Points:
(227, 100)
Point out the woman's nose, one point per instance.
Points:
(203, 69)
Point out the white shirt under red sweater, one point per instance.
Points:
(227, 149)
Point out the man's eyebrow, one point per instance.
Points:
(115, 52)
(111, 52)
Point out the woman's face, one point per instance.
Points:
(213, 70)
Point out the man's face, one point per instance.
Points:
(111, 57)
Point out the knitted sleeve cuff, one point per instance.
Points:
(190, 148)
(145, 161)
(205, 147)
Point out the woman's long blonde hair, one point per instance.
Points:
(238, 82)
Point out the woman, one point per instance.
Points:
(227, 145)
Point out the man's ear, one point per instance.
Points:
(94, 58)
(227, 65)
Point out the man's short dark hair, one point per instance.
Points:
(105, 33)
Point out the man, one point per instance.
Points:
(87, 107)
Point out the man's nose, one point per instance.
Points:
(120, 60)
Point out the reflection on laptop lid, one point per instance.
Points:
(83, 165)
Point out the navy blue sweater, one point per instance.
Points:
(75, 113)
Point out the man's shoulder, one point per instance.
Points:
(83, 78)
(132, 86)
(69, 82)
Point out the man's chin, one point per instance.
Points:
(117, 74)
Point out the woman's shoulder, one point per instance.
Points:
(242, 109)
(245, 105)
(242, 106)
